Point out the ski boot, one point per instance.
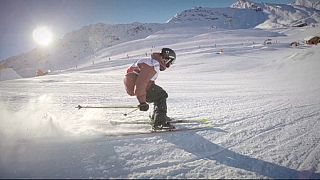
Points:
(161, 122)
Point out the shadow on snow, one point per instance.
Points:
(205, 149)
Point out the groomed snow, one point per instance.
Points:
(263, 102)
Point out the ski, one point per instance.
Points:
(174, 121)
(106, 107)
(162, 131)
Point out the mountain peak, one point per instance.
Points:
(227, 18)
(308, 3)
(246, 4)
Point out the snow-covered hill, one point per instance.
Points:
(78, 47)
(308, 3)
(245, 14)
(86, 46)
(281, 15)
(8, 74)
(226, 18)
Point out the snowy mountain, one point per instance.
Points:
(281, 15)
(308, 3)
(84, 46)
(8, 74)
(245, 14)
(78, 47)
(226, 18)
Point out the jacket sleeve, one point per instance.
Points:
(146, 73)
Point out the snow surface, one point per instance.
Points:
(263, 102)
(8, 74)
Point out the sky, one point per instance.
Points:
(18, 18)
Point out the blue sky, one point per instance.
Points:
(18, 18)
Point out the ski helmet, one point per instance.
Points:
(168, 55)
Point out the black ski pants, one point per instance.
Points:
(158, 96)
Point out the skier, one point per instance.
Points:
(140, 82)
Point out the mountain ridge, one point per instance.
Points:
(82, 45)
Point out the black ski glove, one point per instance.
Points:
(143, 106)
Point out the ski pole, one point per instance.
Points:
(110, 107)
(125, 114)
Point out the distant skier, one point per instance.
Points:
(140, 82)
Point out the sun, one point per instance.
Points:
(42, 36)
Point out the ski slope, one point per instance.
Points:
(263, 102)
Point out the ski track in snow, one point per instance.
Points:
(263, 103)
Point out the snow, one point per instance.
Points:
(264, 112)
(308, 3)
(263, 102)
(84, 46)
(8, 73)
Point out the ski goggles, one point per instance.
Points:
(169, 61)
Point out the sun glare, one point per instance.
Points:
(42, 36)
